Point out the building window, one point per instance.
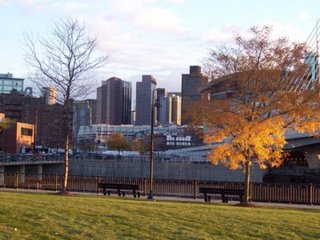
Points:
(26, 131)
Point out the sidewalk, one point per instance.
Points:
(218, 201)
(177, 199)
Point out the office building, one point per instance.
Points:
(9, 83)
(49, 95)
(145, 94)
(165, 110)
(48, 120)
(114, 102)
(18, 138)
(191, 86)
(161, 92)
(176, 110)
(84, 114)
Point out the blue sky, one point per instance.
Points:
(158, 37)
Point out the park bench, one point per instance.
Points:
(121, 189)
(226, 194)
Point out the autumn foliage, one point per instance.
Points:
(117, 142)
(255, 96)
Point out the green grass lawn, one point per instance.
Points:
(49, 216)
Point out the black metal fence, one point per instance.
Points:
(260, 192)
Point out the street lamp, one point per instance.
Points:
(153, 105)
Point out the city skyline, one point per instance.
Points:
(160, 38)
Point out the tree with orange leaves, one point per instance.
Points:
(117, 141)
(255, 95)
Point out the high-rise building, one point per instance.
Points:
(8, 83)
(161, 92)
(165, 110)
(191, 86)
(49, 95)
(114, 102)
(84, 114)
(144, 98)
(101, 114)
(126, 102)
(176, 110)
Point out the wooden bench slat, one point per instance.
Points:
(121, 188)
(223, 191)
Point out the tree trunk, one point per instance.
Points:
(246, 197)
(66, 161)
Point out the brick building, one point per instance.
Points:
(48, 120)
(19, 137)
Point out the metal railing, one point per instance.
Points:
(260, 192)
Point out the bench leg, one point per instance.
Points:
(119, 193)
(138, 194)
(104, 191)
(123, 194)
(109, 192)
(225, 199)
(134, 194)
(209, 198)
(205, 197)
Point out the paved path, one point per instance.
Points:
(263, 204)
(179, 199)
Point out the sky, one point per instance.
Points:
(158, 37)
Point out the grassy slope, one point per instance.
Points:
(45, 216)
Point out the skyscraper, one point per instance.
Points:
(84, 114)
(114, 102)
(176, 110)
(165, 110)
(144, 91)
(49, 95)
(191, 85)
(161, 92)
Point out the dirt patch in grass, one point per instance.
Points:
(64, 193)
(248, 205)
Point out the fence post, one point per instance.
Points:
(17, 180)
(145, 186)
(56, 182)
(195, 188)
(97, 188)
(2, 176)
(310, 193)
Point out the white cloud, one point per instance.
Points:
(217, 35)
(132, 54)
(70, 5)
(176, 1)
(31, 2)
(158, 20)
(288, 30)
(222, 35)
(143, 14)
(226, 34)
(304, 15)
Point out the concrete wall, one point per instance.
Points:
(162, 170)
(140, 169)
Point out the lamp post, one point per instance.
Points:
(153, 105)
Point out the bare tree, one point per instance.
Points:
(63, 61)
